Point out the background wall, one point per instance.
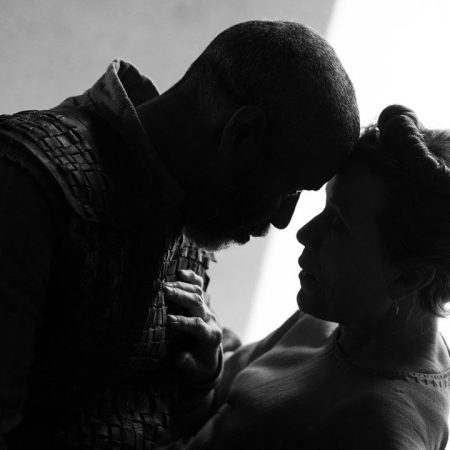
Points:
(52, 48)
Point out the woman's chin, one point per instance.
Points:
(308, 295)
(304, 302)
(312, 306)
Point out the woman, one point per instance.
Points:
(362, 364)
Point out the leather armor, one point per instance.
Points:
(99, 380)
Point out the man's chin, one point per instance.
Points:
(206, 240)
(214, 242)
(240, 239)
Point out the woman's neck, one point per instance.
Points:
(411, 343)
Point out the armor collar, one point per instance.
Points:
(115, 97)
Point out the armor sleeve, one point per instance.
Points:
(26, 247)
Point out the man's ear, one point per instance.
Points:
(411, 280)
(243, 133)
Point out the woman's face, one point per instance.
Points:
(346, 273)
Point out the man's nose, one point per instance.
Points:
(285, 211)
(310, 234)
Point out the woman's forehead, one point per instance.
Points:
(357, 190)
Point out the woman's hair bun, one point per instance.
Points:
(397, 113)
(401, 133)
(406, 140)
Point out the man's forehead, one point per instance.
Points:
(304, 169)
(306, 178)
(318, 170)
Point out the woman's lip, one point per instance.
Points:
(306, 275)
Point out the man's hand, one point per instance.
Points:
(200, 358)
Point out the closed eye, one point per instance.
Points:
(338, 225)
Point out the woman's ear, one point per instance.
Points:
(243, 133)
(411, 280)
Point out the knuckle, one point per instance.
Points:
(198, 322)
(216, 336)
(172, 290)
(180, 320)
(192, 277)
(175, 294)
(199, 280)
(186, 274)
(198, 289)
(197, 298)
(212, 317)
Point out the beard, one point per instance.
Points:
(220, 224)
(213, 237)
(216, 219)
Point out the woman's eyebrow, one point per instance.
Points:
(340, 209)
(331, 202)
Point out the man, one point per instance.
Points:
(96, 193)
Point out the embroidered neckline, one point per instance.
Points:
(441, 379)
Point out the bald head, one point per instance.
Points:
(265, 111)
(295, 77)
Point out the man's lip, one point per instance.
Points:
(260, 229)
(243, 238)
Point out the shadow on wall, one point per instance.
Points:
(51, 50)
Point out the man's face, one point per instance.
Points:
(262, 195)
(233, 216)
